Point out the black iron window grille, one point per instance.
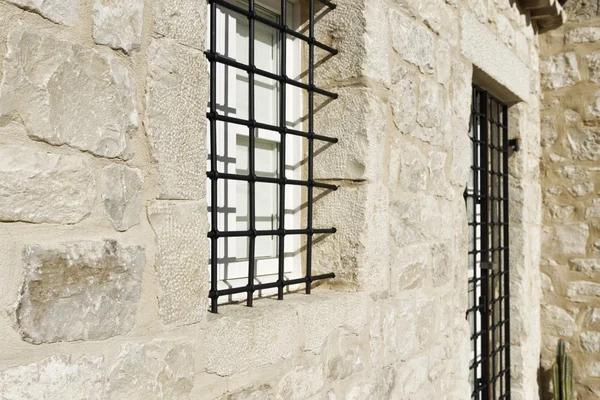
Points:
(257, 19)
(487, 209)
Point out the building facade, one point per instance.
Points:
(403, 191)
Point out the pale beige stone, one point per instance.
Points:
(161, 369)
(560, 212)
(262, 392)
(589, 266)
(586, 34)
(432, 110)
(181, 261)
(413, 174)
(410, 266)
(548, 132)
(419, 50)
(38, 186)
(301, 383)
(64, 12)
(581, 291)
(573, 172)
(79, 291)
(506, 32)
(593, 61)
(59, 376)
(176, 95)
(593, 211)
(437, 15)
(121, 189)
(567, 239)
(69, 94)
(118, 23)
(583, 143)
(403, 98)
(557, 321)
(181, 20)
(439, 184)
(590, 341)
(582, 189)
(560, 71)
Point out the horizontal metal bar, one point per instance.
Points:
(283, 28)
(244, 122)
(213, 56)
(270, 285)
(328, 4)
(276, 232)
(264, 179)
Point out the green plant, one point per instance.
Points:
(562, 374)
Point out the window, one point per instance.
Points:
(260, 166)
(487, 209)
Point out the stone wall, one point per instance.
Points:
(570, 178)
(102, 201)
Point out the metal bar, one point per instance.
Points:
(279, 27)
(238, 121)
(213, 162)
(311, 150)
(506, 271)
(266, 179)
(270, 285)
(251, 157)
(282, 150)
(249, 233)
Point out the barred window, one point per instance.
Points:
(487, 209)
(261, 146)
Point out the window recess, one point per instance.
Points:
(487, 210)
(260, 168)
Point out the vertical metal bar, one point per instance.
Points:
(311, 131)
(484, 196)
(213, 161)
(492, 203)
(475, 133)
(506, 252)
(498, 248)
(251, 160)
(282, 147)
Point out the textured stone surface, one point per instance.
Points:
(557, 321)
(593, 61)
(69, 94)
(404, 98)
(413, 174)
(591, 341)
(567, 239)
(64, 12)
(39, 187)
(161, 369)
(176, 95)
(301, 383)
(255, 337)
(583, 143)
(583, 35)
(118, 23)
(121, 189)
(560, 71)
(56, 377)
(181, 266)
(419, 50)
(79, 291)
(588, 266)
(580, 291)
(181, 20)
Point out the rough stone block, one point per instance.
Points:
(64, 12)
(590, 341)
(118, 23)
(433, 112)
(408, 169)
(560, 71)
(182, 259)
(437, 15)
(121, 189)
(583, 143)
(588, 266)
(566, 239)
(79, 291)
(69, 94)
(403, 98)
(45, 187)
(181, 20)
(239, 340)
(358, 119)
(410, 266)
(56, 377)
(161, 369)
(176, 95)
(581, 291)
(460, 95)
(593, 61)
(587, 34)
(557, 322)
(301, 383)
(419, 50)
(439, 185)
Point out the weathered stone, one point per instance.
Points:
(438, 183)
(416, 219)
(444, 55)
(419, 50)
(557, 321)
(462, 156)
(56, 377)
(403, 98)
(592, 111)
(118, 23)
(590, 341)
(379, 386)
(580, 291)
(64, 12)
(583, 143)
(410, 266)
(506, 32)
(181, 20)
(176, 92)
(560, 71)
(121, 188)
(582, 189)
(560, 212)
(436, 15)
(548, 133)
(412, 175)
(582, 9)
(567, 239)
(432, 108)
(593, 61)
(479, 9)
(161, 369)
(262, 392)
(301, 383)
(343, 357)
(181, 262)
(585, 34)
(573, 172)
(358, 119)
(376, 62)
(40, 187)
(588, 266)
(79, 291)
(593, 211)
(524, 50)
(400, 331)
(69, 94)
(461, 88)
(442, 270)
(255, 337)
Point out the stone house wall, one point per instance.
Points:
(103, 255)
(571, 242)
